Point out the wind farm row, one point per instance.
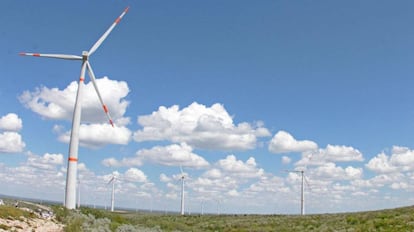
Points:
(73, 183)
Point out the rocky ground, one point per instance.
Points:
(43, 219)
(30, 224)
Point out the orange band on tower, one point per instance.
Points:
(71, 159)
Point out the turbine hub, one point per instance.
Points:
(85, 55)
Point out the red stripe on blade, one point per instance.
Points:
(36, 54)
(105, 108)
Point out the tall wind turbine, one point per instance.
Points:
(302, 194)
(112, 180)
(70, 194)
(182, 190)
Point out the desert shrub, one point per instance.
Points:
(73, 221)
(96, 225)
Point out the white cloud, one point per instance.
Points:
(213, 174)
(401, 160)
(11, 142)
(135, 175)
(200, 127)
(283, 142)
(330, 171)
(233, 167)
(47, 161)
(58, 104)
(332, 153)
(380, 164)
(171, 155)
(164, 178)
(112, 162)
(286, 160)
(98, 135)
(11, 122)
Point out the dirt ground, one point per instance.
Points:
(31, 224)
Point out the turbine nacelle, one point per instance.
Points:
(85, 55)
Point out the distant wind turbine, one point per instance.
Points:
(182, 177)
(302, 198)
(79, 193)
(70, 195)
(112, 180)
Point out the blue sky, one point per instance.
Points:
(234, 91)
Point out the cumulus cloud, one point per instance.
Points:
(36, 171)
(331, 171)
(164, 178)
(283, 142)
(171, 155)
(11, 122)
(135, 175)
(200, 127)
(332, 153)
(58, 104)
(286, 160)
(47, 161)
(97, 135)
(401, 160)
(226, 177)
(233, 167)
(11, 142)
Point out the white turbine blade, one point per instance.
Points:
(103, 37)
(92, 75)
(181, 169)
(56, 56)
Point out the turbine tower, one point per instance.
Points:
(302, 194)
(112, 180)
(70, 192)
(182, 190)
(79, 193)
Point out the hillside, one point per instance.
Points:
(401, 219)
(87, 219)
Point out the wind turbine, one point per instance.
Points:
(302, 198)
(182, 190)
(79, 193)
(70, 194)
(112, 180)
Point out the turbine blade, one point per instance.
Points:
(56, 56)
(181, 169)
(92, 76)
(103, 37)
